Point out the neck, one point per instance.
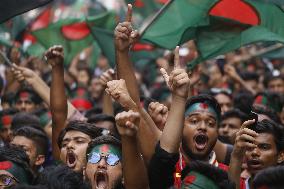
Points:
(188, 156)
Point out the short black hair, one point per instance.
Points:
(272, 177)
(243, 101)
(269, 126)
(39, 138)
(34, 96)
(270, 77)
(105, 139)
(18, 156)
(93, 111)
(89, 129)
(209, 99)
(62, 177)
(8, 98)
(101, 117)
(22, 119)
(268, 112)
(217, 175)
(236, 113)
(24, 186)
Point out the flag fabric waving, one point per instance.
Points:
(11, 8)
(217, 26)
(73, 34)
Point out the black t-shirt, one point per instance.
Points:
(162, 168)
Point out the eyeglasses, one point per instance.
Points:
(111, 159)
(6, 181)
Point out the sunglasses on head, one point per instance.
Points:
(111, 159)
(6, 180)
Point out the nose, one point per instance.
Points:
(225, 130)
(70, 145)
(102, 163)
(202, 126)
(23, 106)
(255, 152)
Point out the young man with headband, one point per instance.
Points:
(104, 167)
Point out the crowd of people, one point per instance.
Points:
(218, 126)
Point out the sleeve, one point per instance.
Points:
(161, 168)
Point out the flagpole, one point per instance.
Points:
(261, 52)
(148, 23)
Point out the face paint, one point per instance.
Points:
(200, 107)
(25, 95)
(17, 171)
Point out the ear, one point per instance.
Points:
(40, 159)
(280, 157)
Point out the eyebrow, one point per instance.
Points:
(197, 114)
(74, 138)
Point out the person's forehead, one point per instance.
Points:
(266, 138)
(276, 80)
(231, 120)
(201, 114)
(75, 134)
(222, 97)
(22, 141)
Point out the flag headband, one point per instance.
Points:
(200, 106)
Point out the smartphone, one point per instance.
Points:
(254, 116)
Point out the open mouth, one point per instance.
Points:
(201, 141)
(101, 180)
(254, 163)
(71, 159)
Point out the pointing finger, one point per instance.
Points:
(176, 61)
(129, 13)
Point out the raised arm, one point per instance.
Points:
(107, 101)
(231, 72)
(134, 170)
(125, 36)
(39, 86)
(148, 133)
(179, 83)
(58, 99)
(245, 138)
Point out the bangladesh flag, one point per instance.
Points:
(217, 26)
(140, 52)
(144, 8)
(73, 34)
(11, 8)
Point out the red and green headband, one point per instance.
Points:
(14, 169)
(200, 106)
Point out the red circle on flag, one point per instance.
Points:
(75, 31)
(5, 165)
